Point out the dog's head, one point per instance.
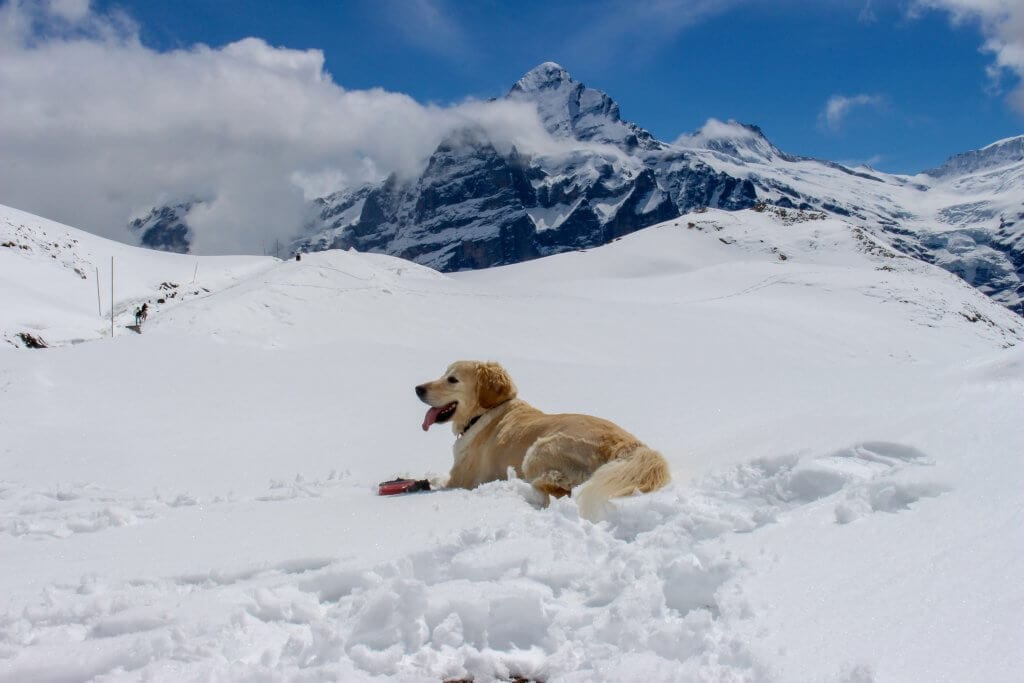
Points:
(466, 390)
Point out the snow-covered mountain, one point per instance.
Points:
(977, 232)
(999, 154)
(198, 502)
(569, 109)
(476, 205)
(966, 216)
(480, 203)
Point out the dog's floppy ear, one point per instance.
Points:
(494, 386)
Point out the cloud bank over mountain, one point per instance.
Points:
(96, 126)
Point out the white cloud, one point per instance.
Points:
(867, 14)
(72, 11)
(870, 162)
(96, 127)
(1002, 26)
(609, 30)
(714, 129)
(838, 108)
(428, 24)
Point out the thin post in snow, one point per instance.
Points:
(99, 306)
(111, 297)
(195, 273)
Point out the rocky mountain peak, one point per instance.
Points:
(569, 109)
(998, 154)
(546, 76)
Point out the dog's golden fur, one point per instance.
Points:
(556, 453)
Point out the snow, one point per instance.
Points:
(979, 191)
(198, 501)
(569, 109)
(48, 279)
(650, 202)
(348, 216)
(731, 138)
(607, 210)
(552, 217)
(1002, 142)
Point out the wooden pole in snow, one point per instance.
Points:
(111, 297)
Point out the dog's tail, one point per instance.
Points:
(641, 470)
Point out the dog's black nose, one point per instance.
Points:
(420, 390)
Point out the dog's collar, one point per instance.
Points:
(472, 422)
(475, 419)
(468, 436)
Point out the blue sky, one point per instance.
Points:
(913, 85)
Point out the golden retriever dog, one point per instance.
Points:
(556, 453)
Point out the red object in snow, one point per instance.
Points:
(396, 486)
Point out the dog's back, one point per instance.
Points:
(556, 453)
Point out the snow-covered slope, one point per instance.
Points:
(49, 271)
(197, 502)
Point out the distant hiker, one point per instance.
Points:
(140, 315)
(298, 256)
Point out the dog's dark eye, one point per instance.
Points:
(452, 380)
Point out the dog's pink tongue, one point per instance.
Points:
(431, 417)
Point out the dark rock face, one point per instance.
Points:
(467, 209)
(701, 186)
(165, 228)
(474, 207)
